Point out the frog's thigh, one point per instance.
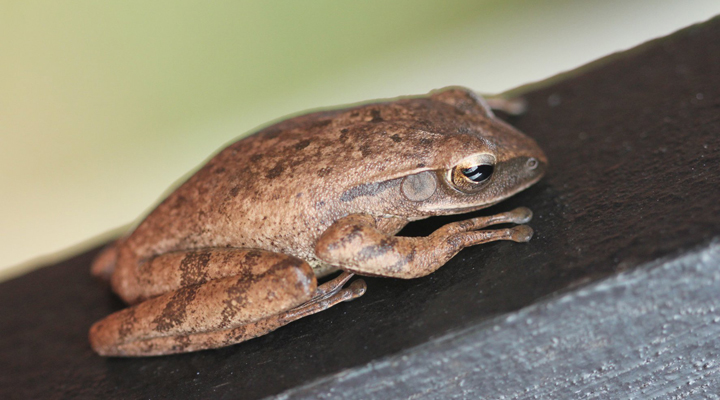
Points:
(355, 244)
(176, 321)
(171, 271)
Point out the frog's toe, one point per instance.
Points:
(358, 288)
(521, 215)
(521, 233)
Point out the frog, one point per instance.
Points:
(238, 249)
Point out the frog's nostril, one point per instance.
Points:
(532, 163)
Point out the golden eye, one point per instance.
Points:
(470, 175)
(478, 173)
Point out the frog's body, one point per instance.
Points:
(300, 199)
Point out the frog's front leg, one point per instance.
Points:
(222, 311)
(355, 244)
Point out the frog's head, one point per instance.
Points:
(486, 163)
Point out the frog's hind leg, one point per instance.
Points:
(266, 292)
(226, 337)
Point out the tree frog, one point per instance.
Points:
(236, 251)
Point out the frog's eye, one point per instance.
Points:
(471, 175)
(478, 173)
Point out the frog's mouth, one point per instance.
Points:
(460, 210)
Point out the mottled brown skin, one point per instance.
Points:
(234, 252)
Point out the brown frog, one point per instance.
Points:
(235, 251)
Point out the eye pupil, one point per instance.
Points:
(478, 173)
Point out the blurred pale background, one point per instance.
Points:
(103, 105)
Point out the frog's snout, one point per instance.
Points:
(535, 163)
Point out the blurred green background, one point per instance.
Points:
(103, 105)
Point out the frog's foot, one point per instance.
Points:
(466, 233)
(520, 215)
(520, 234)
(332, 286)
(317, 304)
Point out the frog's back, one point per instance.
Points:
(280, 188)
